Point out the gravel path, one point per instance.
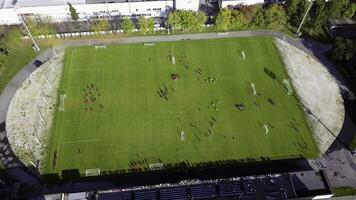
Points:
(30, 114)
(318, 92)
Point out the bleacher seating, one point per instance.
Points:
(111, 196)
(146, 195)
(115, 196)
(202, 191)
(127, 195)
(176, 193)
(249, 187)
(230, 188)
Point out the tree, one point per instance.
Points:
(295, 10)
(73, 12)
(127, 25)
(275, 17)
(247, 12)
(174, 20)
(317, 16)
(200, 20)
(143, 24)
(223, 20)
(351, 11)
(258, 18)
(40, 26)
(98, 25)
(186, 20)
(336, 8)
(151, 25)
(343, 50)
(238, 20)
(146, 25)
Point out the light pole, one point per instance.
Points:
(37, 48)
(304, 17)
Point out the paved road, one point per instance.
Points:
(31, 180)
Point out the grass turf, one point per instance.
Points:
(17, 58)
(129, 125)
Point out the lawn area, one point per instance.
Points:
(123, 109)
(17, 58)
(344, 191)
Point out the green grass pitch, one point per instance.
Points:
(116, 115)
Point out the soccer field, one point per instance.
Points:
(128, 106)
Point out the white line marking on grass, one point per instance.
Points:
(71, 62)
(60, 136)
(81, 141)
(87, 69)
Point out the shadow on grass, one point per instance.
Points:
(173, 173)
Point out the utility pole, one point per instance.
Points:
(37, 48)
(305, 16)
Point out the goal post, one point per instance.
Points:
(102, 46)
(149, 44)
(288, 86)
(92, 172)
(253, 89)
(62, 97)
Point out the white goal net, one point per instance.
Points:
(103, 46)
(92, 172)
(62, 97)
(287, 84)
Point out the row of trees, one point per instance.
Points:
(186, 20)
(290, 14)
(45, 26)
(275, 16)
(145, 25)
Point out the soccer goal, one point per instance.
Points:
(62, 97)
(92, 172)
(102, 46)
(155, 166)
(286, 82)
(149, 44)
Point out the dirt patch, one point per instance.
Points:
(318, 91)
(30, 113)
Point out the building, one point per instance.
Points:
(58, 10)
(345, 28)
(233, 3)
